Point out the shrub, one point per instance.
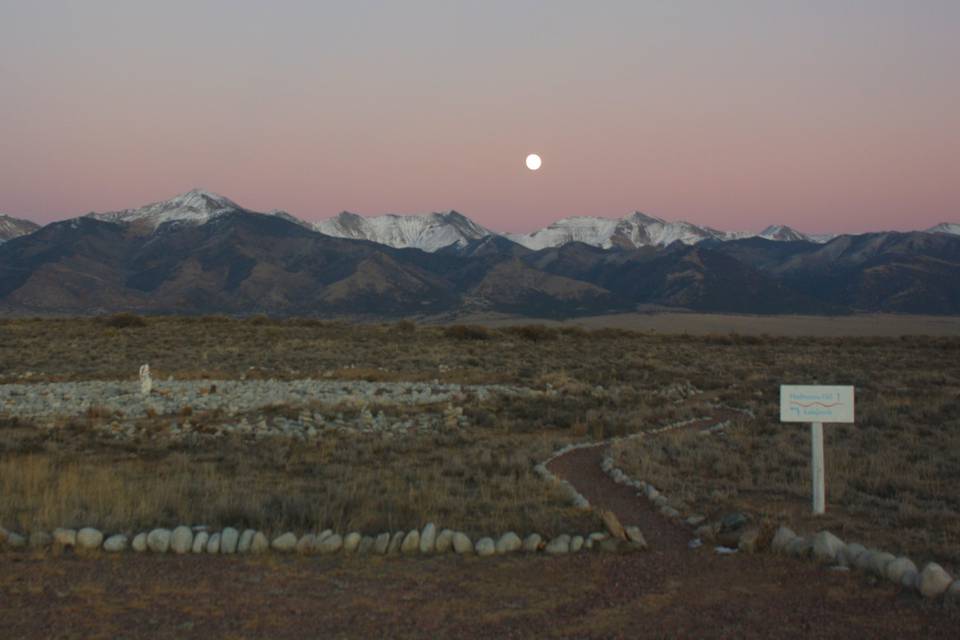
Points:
(467, 332)
(124, 321)
(533, 332)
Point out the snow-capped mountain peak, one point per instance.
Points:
(634, 230)
(196, 206)
(946, 227)
(11, 227)
(782, 233)
(429, 232)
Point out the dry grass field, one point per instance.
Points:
(892, 476)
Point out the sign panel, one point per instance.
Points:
(806, 403)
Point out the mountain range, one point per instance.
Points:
(203, 253)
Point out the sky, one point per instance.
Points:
(826, 115)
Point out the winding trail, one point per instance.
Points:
(668, 592)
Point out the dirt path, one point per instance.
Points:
(668, 592)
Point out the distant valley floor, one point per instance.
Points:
(865, 325)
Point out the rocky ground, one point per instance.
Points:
(238, 406)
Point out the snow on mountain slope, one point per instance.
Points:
(635, 230)
(782, 233)
(11, 227)
(946, 227)
(428, 232)
(195, 207)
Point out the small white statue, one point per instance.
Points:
(146, 384)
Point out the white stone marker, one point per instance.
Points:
(816, 405)
(146, 384)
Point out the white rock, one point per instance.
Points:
(213, 544)
(395, 542)
(381, 544)
(351, 542)
(781, 539)
(897, 568)
(862, 561)
(181, 540)
(576, 544)
(669, 512)
(531, 543)
(559, 545)
(933, 580)
(229, 539)
(445, 541)
(331, 544)
(246, 539)
(826, 547)
(323, 534)
(39, 540)
(89, 539)
(461, 543)
(879, 562)
(848, 556)
(284, 543)
(485, 547)
(259, 544)
(15, 540)
(799, 547)
(307, 544)
(635, 536)
(428, 538)
(65, 537)
(158, 540)
(952, 596)
(411, 542)
(115, 544)
(200, 542)
(139, 542)
(508, 543)
(909, 580)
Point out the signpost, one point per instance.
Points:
(816, 405)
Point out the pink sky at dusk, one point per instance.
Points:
(828, 116)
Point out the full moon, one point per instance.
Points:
(533, 162)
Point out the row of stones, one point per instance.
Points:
(184, 539)
(644, 489)
(824, 547)
(575, 497)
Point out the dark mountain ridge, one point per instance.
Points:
(241, 262)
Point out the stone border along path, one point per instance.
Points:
(196, 540)
(591, 467)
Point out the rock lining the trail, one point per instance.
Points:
(823, 547)
(183, 539)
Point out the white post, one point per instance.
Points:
(145, 383)
(816, 464)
